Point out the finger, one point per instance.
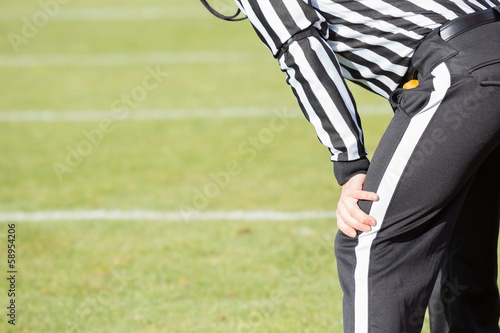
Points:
(365, 195)
(360, 216)
(349, 206)
(351, 221)
(347, 230)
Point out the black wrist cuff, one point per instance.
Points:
(346, 170)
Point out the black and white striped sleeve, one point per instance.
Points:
(296, 35)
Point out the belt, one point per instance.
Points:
(468, 22)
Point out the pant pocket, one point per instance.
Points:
(395, 98)
(487, 74)
(411, 101)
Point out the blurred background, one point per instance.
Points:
(160, 175)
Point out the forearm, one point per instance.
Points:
(295, 33)
(314, 75)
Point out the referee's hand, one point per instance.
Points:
(349, 216)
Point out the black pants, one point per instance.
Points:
(437, 173)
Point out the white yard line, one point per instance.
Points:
(123, 59)
(149, 114)
(175, 216)
(111, 13)
(50, 116)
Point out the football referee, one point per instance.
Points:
(419, 225)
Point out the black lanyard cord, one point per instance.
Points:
(222, 16)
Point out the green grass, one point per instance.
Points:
(160, 165)
(147, 276)
(178, 277)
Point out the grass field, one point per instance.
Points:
(158, 107)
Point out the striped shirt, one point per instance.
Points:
(369, 42)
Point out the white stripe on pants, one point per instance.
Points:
(389, 182)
